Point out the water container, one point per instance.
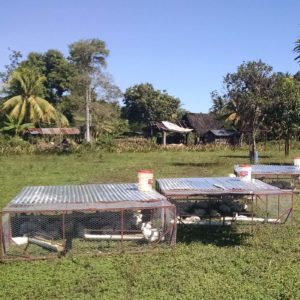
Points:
(297, 162)
(244, 172)
(145, 180)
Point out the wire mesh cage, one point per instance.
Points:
(49, 227)
(282, 176)
(226, 209)
(224, 200)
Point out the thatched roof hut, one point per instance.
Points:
(202, 123)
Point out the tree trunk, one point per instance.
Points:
(287, 145)
(279, 145)
(252, 147)
(88, 115)
(242, 139)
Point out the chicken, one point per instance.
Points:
(151, 234)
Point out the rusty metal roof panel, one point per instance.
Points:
(272, 169)
(91, 196)
(47, 131)
(213, 185)
(34, 131)
(70, 131)
(54, 131)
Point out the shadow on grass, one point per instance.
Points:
(204, 165)
(243, 156)
(222, 236)
(280, 164)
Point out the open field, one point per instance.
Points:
(206, 264)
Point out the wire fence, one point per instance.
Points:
(46, 234)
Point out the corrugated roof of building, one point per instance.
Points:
(272, 169)
(54, 131)
(90, 196)
(222, 132)
(214, 185)
(169, 127)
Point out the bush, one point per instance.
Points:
(134, 144)
(106, 143)
(14, 145)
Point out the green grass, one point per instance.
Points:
(225, 263)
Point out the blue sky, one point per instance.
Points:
(182, 46)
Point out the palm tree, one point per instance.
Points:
(297, 50)
(233, 114)
(24, 103)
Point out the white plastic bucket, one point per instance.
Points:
(145, 180)
(297, 162)
(244, 172)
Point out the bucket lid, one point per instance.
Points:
(145, 171)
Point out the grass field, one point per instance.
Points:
(206, 264)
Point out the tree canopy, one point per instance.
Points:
(143, 104)
(89, 54)
(283, 113)
(57, 71)
(24, 102)
(247, 92)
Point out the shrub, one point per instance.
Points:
(134, 144)
(14, 145)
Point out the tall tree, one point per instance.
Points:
(297, 50)
(56, 69)
(143, 104)
(283, 114)
(24, 103)
(89, 58)
(248, 91)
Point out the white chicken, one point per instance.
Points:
(138, 217)
(151, 234)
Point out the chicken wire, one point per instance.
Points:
(226, 209)
(43, 222)
(281, 176)
(224, 200)
(44, 234)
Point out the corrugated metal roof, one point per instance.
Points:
(170, 127)
(214, 185)
(54, 131)
(175, 128)
(83, 197)
(222, 132)
(272, 169)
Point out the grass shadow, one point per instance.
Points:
(222, 236)
(280, 164)
(243, 156)
(203, 165)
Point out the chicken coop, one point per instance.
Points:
(282, 176)
(227, 200)
(47, 221)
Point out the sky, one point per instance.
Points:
(185, 47)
